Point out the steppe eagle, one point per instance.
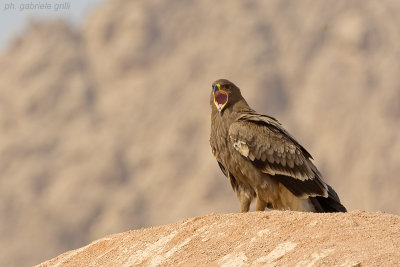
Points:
(262, 160)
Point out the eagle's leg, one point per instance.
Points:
(245, 200)
(260, 204)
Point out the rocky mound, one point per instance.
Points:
(104, 127)
(259, 238)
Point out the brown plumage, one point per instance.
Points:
(262, 160)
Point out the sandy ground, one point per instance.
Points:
(273, 238)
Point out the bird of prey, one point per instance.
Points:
(262, 160)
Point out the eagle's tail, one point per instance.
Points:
(328, 204)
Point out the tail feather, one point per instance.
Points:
(328, 204)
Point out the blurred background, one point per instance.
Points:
(105, 116)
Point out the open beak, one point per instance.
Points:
(220, 97)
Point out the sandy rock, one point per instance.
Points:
(274, 238)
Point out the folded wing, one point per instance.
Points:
(263, 141)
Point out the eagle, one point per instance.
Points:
(262, 160)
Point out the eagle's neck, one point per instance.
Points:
(241, 107)
(219, 137)
(221, 121)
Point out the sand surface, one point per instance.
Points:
(272, 238)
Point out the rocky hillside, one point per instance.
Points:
(104, 128)
(257, 239)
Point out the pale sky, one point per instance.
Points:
(14, 14)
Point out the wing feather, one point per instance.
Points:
(263, 141)
(232, 179)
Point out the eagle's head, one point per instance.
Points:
(224, 93)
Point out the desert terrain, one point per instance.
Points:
(277, 238)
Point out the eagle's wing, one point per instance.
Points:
(232, 179)
(263, 141)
